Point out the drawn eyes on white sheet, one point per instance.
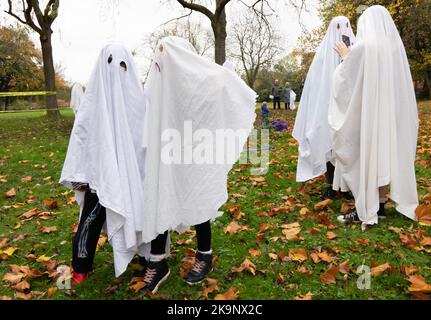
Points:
(122, 63)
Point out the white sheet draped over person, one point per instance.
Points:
(311, 128)
(106, 149)
(292, 100)
(229, 65)
(76, 96)
(374, 120)
(192, 96)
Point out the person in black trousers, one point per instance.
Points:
(276, 92)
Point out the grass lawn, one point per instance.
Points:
(292, 249)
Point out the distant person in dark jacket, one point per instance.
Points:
(277, 92)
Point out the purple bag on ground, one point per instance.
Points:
(279, 125)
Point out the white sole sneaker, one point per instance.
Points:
(161, 281)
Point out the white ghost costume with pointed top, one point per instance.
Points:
(183, 87)
(106, 150)
(374, 120)
(311, 128)
(76, 97)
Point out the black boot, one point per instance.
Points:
(201, 267)
(329, 193)
(155, 274)
(381, 213)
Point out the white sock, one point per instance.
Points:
(157, 257)
(206, 252)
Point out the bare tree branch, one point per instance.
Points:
(197, 7)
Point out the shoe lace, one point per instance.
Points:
(149, 275)
(198, 265)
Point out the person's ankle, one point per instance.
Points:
(157, 257)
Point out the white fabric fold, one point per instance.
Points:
(311, 128)
(374, 120)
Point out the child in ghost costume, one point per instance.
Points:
(105, 162)
(311, 128)
(189, 96)
(76, 97)
(374, 121)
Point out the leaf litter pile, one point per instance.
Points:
(276, 240)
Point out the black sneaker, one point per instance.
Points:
(155, 274)
(201, 267)
(350, 218)
(142, 261)
(382, 213)
(330, 194)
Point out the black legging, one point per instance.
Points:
(203, 235)
(85, 241)
(329, 175)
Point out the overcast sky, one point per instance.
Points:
(83, 27)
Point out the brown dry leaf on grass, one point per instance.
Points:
(423, 214)
(246, 265)
(30, 214)
(329, 277)
(254, 252)
(330, 235)
(308, 296)
(322, 204)
(409, 270)
(378, 270)
(299, 254)
(419, 284)
(234, 227)
(291, 231)
(210, 288)
(231, 294)
(27, 179)
(49, 229)
(9, 194)
(50, 203)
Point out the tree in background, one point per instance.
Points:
(413, 20)
(218, 17)
(30, 13)
(256, 44)
(20, 62)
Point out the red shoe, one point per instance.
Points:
(78, 278)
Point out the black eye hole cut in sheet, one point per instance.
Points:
(123, 65)
(110, 58)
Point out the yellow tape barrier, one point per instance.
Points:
(27, 94)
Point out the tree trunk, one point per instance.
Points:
(220, 35)
(49, 73)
